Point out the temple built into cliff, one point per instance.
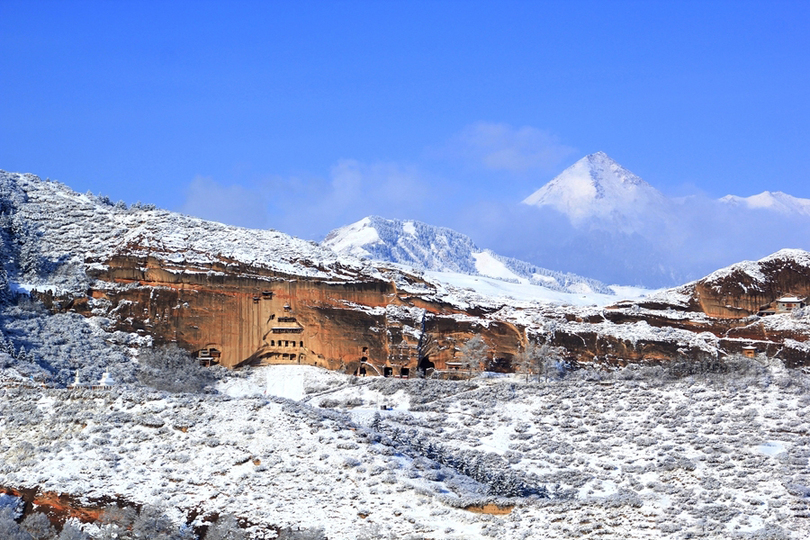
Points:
(783, 304)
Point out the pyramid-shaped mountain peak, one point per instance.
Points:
(596, 186)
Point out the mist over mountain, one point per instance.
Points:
(598, 219)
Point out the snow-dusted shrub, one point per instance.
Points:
(69, 532)
(226, 528)
(300, 534)
(352, 402)
(172, 369)
(329, 403)
(150, 522)
(389, 478)
(350, 462)
(38, 526)
(434, 475)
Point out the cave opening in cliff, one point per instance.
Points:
(388, 371)
(424, 365)
(404, 373)
(209, 356)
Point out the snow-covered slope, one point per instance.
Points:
(598, 187)
(624, 454)
(775, 201)
(444, 251)
(406, 242)
(68, 229)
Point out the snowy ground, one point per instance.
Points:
(526, 292)
(627, 456)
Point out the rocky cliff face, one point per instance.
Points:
(745, 288)
(254, 316)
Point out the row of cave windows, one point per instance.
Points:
(286, 343)
(387, 372)
(291, 356)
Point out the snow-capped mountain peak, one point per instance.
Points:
(596, 187)
(439, 249)
(775, 201)
(406, 242)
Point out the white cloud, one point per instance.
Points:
(235, 204)
(352, 191)
(501, 147)
(310, 207)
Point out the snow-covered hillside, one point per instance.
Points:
(708, 444)
(446, 253)
(406, 242)
(67, 229)
(629, 454)
(63, 233)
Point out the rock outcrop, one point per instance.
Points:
(746, 288)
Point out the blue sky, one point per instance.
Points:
(303, 116)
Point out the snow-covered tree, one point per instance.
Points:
(474, 353)
(38, 526)
(9, 528)
(549, 361)
(69, 532)
(527, 358)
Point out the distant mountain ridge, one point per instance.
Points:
(775, 201)
(610, 224)
(439, 249)
(596, 186)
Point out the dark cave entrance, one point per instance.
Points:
(425, 364)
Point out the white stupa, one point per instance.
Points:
(77, 383)
(106, 380)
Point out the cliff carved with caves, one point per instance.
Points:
(254, 316)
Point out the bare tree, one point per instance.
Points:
(548, 360)
(526, 359)
(474, 353)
